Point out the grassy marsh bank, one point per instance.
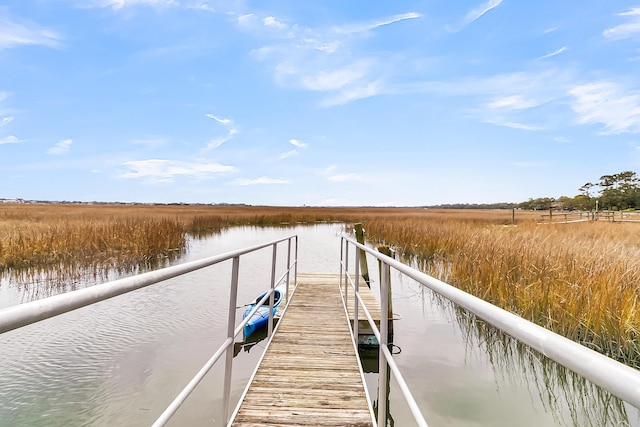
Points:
(580, 280)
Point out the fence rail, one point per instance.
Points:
(25, 314)
(620, 380)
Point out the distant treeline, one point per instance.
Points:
(616, 192)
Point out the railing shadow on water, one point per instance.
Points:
(562, 392)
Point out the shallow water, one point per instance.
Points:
(122, 361)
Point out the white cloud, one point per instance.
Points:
(9, 140)
(271, 21)
(217, 142)
(160, 170)
(218, 119)
(554, 53)
(514, 102)
(246, 20)
(288, 154)
(609, 104)
(512, 124)
(326, 59)
(60, 147)
(479, 11)
(201, 5)
(362, 27)
(626, 30)
(120, 4)
(13, 34)
(297, 143)
(333, 80)
(5, 121)
(261, 181)
(354, 93)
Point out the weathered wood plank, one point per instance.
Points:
(309, 375)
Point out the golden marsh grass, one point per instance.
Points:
(580, 280)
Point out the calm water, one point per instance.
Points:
(121, 362)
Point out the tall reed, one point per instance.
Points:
(579, 280)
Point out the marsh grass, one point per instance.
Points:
(579, 280)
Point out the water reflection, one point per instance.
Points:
(458, 356)
(570, 398)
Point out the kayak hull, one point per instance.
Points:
(260, 318)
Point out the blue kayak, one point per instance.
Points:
(260, 318)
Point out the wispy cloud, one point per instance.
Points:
(554, 53)
(10, 139)
(327, 60)
(232, 131)
(14, 34)
(515, 102)
(219, 119)
(353, 94)
(5, 121)
(119, 4)
(271, 21)
(61, 147)
(479, 11)
(261, 181)
(162, 170)
(296, 143)
(368, 26)
(628, 29)
(511, 124)
(607, 103)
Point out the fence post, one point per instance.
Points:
(386, 250)
(363, 259)
(231, 324)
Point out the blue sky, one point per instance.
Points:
(330, 103)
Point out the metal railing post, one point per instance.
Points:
(355, 299)
(288, 271)
(273, 284)
(346, 270)
(231, 324)
(295, 267)
(342, 243)
(384, 326)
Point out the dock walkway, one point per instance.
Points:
(309, 375)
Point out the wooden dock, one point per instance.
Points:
(310, 374)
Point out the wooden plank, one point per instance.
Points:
(309, 375)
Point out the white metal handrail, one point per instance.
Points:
(385, 358)
(617, 378)
(25, 314)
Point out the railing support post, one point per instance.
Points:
(273, 284)
(355, 299)
(342, 243)
(384, 326)
(286, 301)
(346, 270)
(231, 324)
